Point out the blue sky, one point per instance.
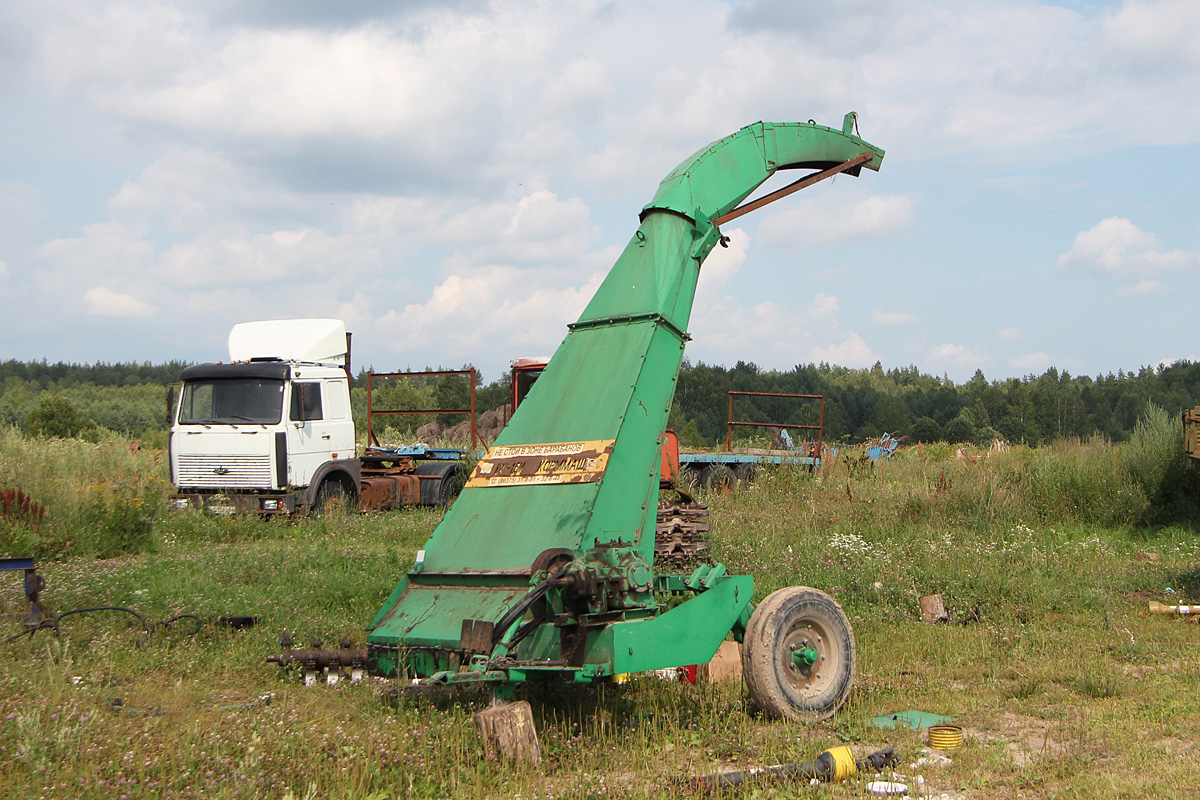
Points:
(454, 178)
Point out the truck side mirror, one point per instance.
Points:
(171, 404)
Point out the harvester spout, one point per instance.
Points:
(706, 190)
(714, 180)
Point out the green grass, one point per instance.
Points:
(1066, 687)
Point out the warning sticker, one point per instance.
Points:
(537, 464)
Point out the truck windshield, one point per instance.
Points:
(230, 401)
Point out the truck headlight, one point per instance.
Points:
(270, 505)
(180, 503)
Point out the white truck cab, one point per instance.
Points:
(270, 431)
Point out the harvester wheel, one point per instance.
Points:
(798, 655)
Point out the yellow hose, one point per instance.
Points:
(945, 737)
(843, 763)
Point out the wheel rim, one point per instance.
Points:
(810, 658)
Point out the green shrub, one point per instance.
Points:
(1154, 462)
(57, 417)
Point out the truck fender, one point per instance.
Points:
(346, 470)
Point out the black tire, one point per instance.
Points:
(745, 472)
(332, 499)
(716, 477)
(788, 620)
(447, 490)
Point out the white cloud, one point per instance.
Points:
(1035, 362)
(104, 302)
(851, 351)
(1160, 31)
(957, 355)
(106, 251)
(359, 162)
(775, 335)
(295, 256)
(1116, 248)
(821, 221)
(888, 318)
(1144, 288)
(1163, 363)
(477, 317)
(823, 305)
(722, 266)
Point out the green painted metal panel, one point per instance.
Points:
(432, 615)
(690, 633)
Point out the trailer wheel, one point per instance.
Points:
(332, 499)
(745, 472)
(798, 655)
(716, 477)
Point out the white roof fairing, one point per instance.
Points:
(314, 341)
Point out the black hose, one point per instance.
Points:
(147, 629)
(532, 596)
(65, 614)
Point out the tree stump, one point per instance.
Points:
(932, 609)
(508, 730)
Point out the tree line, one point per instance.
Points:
(855, 405)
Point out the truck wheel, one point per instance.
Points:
(798, 655)
(447, 490)
(332, 499)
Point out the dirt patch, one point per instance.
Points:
(1025, 739)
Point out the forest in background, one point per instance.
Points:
(129, 399)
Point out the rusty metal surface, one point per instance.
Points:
(681, 537)
(477, 636)
(321, 658)
(34, 584)
(389, 491)
(1191, 432)
(792, 188)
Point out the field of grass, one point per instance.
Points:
(1065, 686)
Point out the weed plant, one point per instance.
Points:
(99, 499)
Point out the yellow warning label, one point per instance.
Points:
(539, 464)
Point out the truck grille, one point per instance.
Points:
(225, 471)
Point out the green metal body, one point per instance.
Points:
(582, 493)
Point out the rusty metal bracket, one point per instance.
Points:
(792, 188)
(34, 584)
